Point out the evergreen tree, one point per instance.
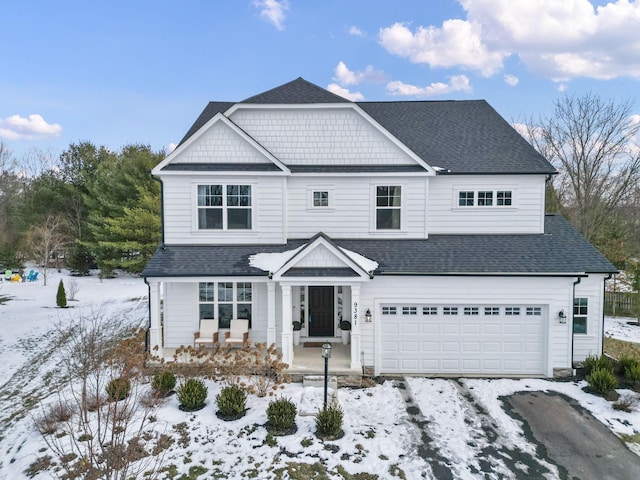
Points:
(124, 210)
(61, 296)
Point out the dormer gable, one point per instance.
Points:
(220, 146)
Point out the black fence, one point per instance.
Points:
(622, 304)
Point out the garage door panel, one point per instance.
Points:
(409, 347)
(471, 329)
(473, 344)
(471, 347)
(492, 329)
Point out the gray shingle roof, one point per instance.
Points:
(461, 137)
(560, 250)
(222, 167)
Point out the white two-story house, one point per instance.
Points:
(421, 222)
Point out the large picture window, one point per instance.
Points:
(225, 300)
(388, 207)
(224, 207)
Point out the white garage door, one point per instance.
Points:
(462, 339)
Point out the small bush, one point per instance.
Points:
(118, 388)
(602, 381)
(632, 372)
(163, 382)
(329, 421)
(47, 422)
(61, 296)
(231, 402)
(192, 394)
(281, 414)
(591, 363)
(624, 363)
(625, 403)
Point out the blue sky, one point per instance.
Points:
(123, 72)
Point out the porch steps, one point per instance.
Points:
(318, 381)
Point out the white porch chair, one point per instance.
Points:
(208, 333)
(238, 333)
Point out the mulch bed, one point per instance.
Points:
(230, 418)
(187, 409)
(281, 432)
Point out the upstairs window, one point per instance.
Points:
(503, 198)
(485, 199)
(320, 199)
(224, 207)
(465, 199)
(388, 207)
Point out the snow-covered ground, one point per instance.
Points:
(379, 436)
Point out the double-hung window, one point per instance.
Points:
(225, 300)
(224, 207)
(388, 207)
(580, 311)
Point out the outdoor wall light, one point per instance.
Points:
(562, 317)
(367, 316)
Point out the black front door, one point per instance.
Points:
(321, 311)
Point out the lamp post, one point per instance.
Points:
(326, 354)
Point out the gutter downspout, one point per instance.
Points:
(578, 280)
(604, 292)
(146, 337)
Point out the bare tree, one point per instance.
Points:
(98, 436)
(46, 239)
(590, 141)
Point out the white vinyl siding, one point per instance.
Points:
(352, 211)
(181, 219)
(589, 343)
(459, 204)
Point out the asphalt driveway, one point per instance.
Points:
(580, 446)
(569, 442)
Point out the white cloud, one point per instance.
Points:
(511, 80)
(457, 43)
(562, 87)
(34, 127)
(344, 76)
(353, 30)
(273, 11)
(560, 40)
(343, 92)
(457, 83)
(171, 147)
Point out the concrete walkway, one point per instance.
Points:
(581, 446)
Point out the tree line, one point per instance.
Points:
(88, 208)
(95, 208)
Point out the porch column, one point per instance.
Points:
(287, 327)
(155, 331)
(355, 326)
(271, 313)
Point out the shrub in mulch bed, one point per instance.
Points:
(192, 395)
(118, 389)
(232, 403)
(163, 383)
(281, 415)
(329, 423)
